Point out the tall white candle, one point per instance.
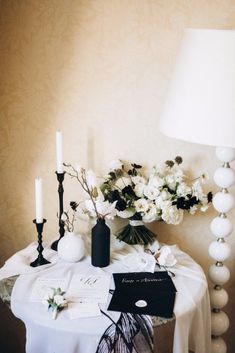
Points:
(59, 155)
(38, 200)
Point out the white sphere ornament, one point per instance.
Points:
(218, 345)
(219, 274)
(219, 323)
(218, 298)
(71, 247)
(225, 154)
(223, 202)
(219, 251)
(224, 177)
(221, 227)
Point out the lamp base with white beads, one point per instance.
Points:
(219, 250)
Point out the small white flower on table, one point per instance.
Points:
(165, 257)
(55, 301)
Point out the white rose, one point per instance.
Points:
(156, 181)
(165, 195)
(128, 213)
(59, 300)
(151, 214)
(141, 205)
(183, 190)
(170, 214)
(139, 190)
(171, 181)
(166, 257)
(138, 180)
(121, 183)
(151, 192)
(115, 165)
(159, 202)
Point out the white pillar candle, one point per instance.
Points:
(38, 200)
(59, 155)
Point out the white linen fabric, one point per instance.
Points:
(44, 335)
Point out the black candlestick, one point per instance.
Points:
(60, 178)
(40, 260)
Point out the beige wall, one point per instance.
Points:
(98, 70)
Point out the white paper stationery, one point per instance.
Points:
(89, 288)
(81, 310)
(44, 286)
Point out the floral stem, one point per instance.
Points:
(54, 314)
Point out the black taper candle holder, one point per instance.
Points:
(60, 178)
(40, 260)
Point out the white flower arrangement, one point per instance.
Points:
(164, 196)
(55, 301)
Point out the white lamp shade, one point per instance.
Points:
(200, 106)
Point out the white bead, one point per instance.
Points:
(218, 298)
(225, 154)
(219, 251)
(224, 177)
(221, 227)
(223, 202)
(219, 323)
(219, 274)
(218, 345)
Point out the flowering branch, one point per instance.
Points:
(96, 204)
(65, 217)
(92, 192)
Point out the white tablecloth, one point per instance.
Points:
(44, 335)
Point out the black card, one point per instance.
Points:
(143, 293)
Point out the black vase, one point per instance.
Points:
(100, 244)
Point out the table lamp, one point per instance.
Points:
(200, 108)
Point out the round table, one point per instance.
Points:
(44, 335)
